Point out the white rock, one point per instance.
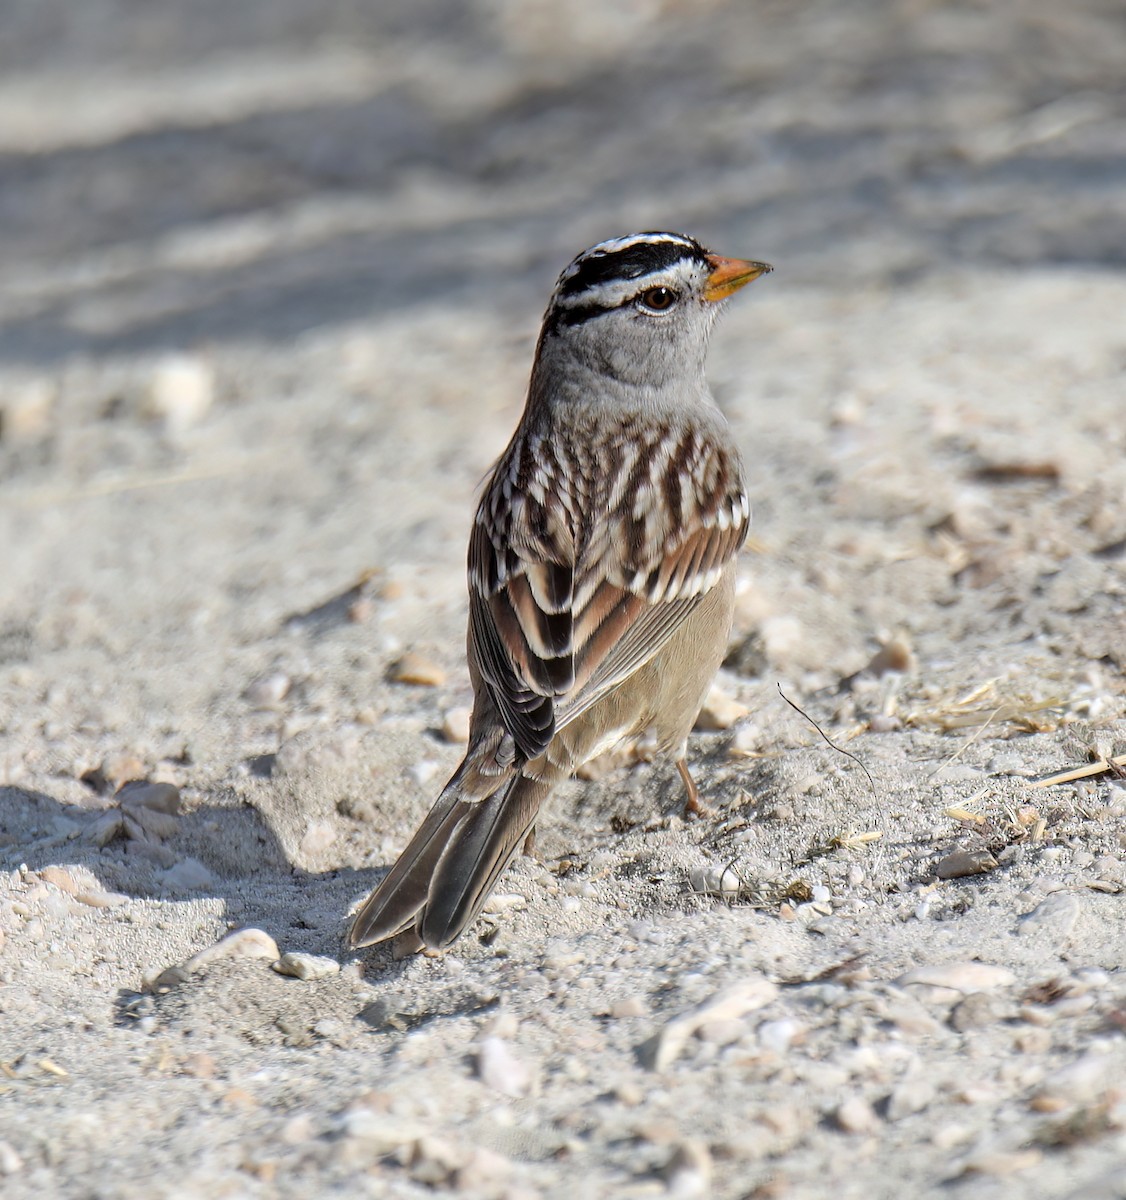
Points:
(661, 1050)
(318, 836)
(10, 1161)
(25, 410)
(149, 794)
(1081, 1082)
(383, 1134)
(959, 976)
(306, 966)
(1056, 915)
(243, 943)
(268, 691)
(501, 902)
(719, 711)
(689, 1171)
(499, 1068)
(423, 772)
(781, 638)
(181, 391)
(1001, 1161)
(82, 885)
(188, 875)
(778, 1035)
(455, 725)
(483, 1171)
(856, 1115)
(908, 1097)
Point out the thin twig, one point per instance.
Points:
(829, 741)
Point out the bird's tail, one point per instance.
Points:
(445, 875)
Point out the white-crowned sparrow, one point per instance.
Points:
(601, 567)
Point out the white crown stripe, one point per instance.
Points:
(617, 245)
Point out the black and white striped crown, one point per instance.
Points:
(628, 258)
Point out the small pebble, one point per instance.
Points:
(455, 725)
(965, 862)
(188, 875)
(1033, 1041)
(10, 1162)
(1112, 869)
(688, 1172)
(499, 1068)
(976, 1011)
(1084, 1081)
(299, 965)
(959, 976)
(434, 1160)
(778, 1035)
(120, 769)
(1056, 915)
(181, 391)
(149, 794)
(911, 1019)
(423, 772)
(297, 1130)
(909, 1097)
(484, 1171)
(243, 943)
(318, 836)
(25, 414)
(895, 655)
(952, 1134)
(268, 691)
(719, 711)
(333, 1031)
(1002, 1162)
(1067, 1006)
(413, 668)
(380, 1133)
(199, 1066)
(856, 1115)
(665, 1046)
(82, 885)
(782, 638)
(723, 1032)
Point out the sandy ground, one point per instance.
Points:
(272, 280)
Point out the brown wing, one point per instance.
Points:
(570, 594)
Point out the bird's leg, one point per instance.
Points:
(529, 850)
(692, 805)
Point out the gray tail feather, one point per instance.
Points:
(445, 875)
(482, 846)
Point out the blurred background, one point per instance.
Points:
(179, 170)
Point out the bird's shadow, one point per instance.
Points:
(231, 851)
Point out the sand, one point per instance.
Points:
(272, 283)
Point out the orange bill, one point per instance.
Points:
(730, 274)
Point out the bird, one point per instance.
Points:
(601, 569)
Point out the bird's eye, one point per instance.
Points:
(658, 299)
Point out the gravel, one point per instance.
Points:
(269, 301)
